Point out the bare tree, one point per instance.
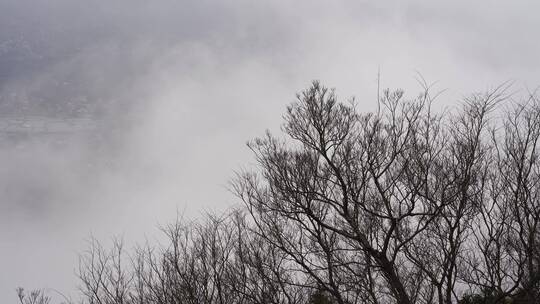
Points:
(33, 297)
(215, 261)
(403, 205)
(504, 256)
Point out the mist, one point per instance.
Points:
(153, 101)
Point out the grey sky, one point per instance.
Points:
(177, 87)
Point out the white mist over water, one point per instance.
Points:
(176, 88)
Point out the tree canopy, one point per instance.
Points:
(402, 205)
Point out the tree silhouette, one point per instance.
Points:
(319, 297)
(404, 205)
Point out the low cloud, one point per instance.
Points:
(175, 89)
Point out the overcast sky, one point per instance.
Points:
(175, 89)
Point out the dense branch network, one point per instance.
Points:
(405, 205)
